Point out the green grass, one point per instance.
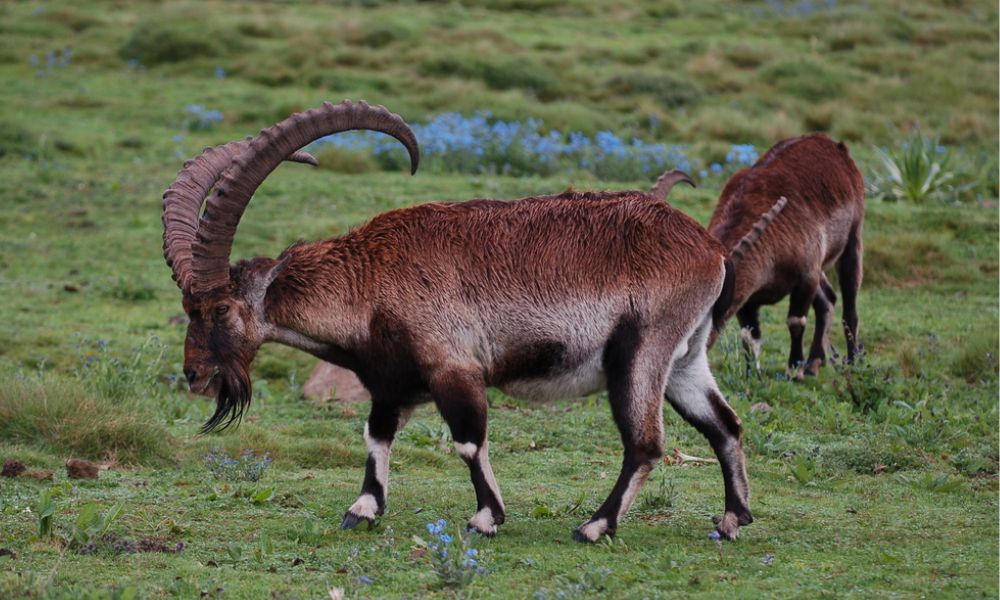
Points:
(878, 480)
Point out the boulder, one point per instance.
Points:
(330, 382)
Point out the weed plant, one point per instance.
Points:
(249, 467)
(454, 559)
(919, 170)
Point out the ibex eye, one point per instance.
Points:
(221, 309)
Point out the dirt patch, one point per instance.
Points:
(111, 542)
(12, 468)
(81, 469)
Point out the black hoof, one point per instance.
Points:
(581, 538)
(352, 520)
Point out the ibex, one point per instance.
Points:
(820, 226)
(543, 297)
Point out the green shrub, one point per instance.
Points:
(502, 73)
(977, 360)
(669, 91)
(154, 43)
(509, 72)
(342, 160)
(72, 18)
(383, 33)
(867, 387)
(805, 79)
(16, 140)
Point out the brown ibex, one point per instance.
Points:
(544, 297)
(820, 226)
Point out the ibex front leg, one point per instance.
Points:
(461, 399)
(380, 430)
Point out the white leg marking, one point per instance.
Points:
(484, 465)
(634, 485)
(800, 321)
(365, 507)
(466, 450)
(483, 521)
(594, 530)
(379, 451)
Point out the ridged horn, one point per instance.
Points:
(183, 199)
(748, 240)
(667, 181)
(225, 207)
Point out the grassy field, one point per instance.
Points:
(874, 480)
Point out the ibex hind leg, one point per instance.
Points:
(693, 393)
(849, 271)
(633, 365)
(823, 305)
(750, 336)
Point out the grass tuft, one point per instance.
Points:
(57, 415)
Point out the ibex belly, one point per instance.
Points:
(580, 378)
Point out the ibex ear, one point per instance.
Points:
(262, 280)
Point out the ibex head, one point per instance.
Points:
(225, 303)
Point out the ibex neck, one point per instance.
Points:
(321, 298)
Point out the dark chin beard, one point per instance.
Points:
(235, 392)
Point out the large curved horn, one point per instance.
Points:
(667, 181)
(183, 199)
(237, 184)
(748, 240)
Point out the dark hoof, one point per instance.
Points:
(352, 520)
(582, 538)
(812, 368)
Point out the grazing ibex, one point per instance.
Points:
(544, 297)
(820, 226)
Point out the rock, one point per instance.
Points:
(332, 382)
(77, 468)
(763, 407)
(12, 468)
